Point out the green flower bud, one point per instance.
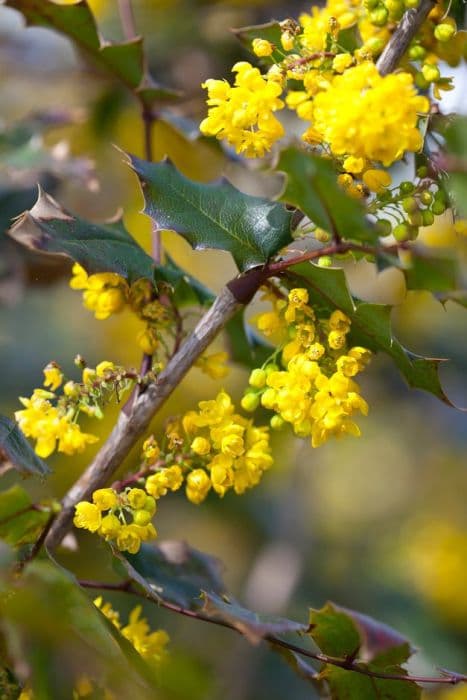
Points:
(444, 31)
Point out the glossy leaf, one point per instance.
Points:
(19, 522)
(438, 273)
(311, 186)
(253, 626)
(107, 247)
(176, 572)
(15, 449)
(252, 229)
(334, 632)
(126, 61)
(371, 325)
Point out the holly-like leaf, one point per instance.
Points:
(108, 247)
(253, 626)
(126, 61)
(175, 572)
(311, 186)
(252, 229)
(371, 325)
(432, 270)
(19, 522)
(15, 449)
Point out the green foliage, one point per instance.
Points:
(456, 141)
(252, 229)
(17, 451)
(176, 572)
(343, 633)
(47, 228)
(312, 187)
(371, 325)
(187, 290)
(125, 61)
(20, 521)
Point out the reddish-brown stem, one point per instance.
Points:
(348, 664)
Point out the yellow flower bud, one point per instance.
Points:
(261, 47)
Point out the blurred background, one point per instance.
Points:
(377, 524)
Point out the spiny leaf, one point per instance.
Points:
(334, 632)
(312, 187)
(175, 572)
(252, 625)
(126, 61)
(19, 522)
(16, 449)
(217, 215)
(108, 247)
(371, 325)
(429, 269)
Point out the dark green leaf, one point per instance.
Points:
(108, 247)
(17, 450)
(187, 290)
(311, 186)
(334, 632)
(217, 215)
(252, 625)
(371, 325)
(19, 522)
(176, 572)
(126, 61)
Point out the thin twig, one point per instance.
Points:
(400, 40)
(348, 664)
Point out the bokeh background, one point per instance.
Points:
(378, 524)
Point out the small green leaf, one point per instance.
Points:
(19, 522)
(17, 450)
(176, 572)
(253, 626)
(126, 61)
(252, 229)
(187, 290)
(108, 247)
(334, 632)
(311, 186)
(371, 325)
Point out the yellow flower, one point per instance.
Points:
(261, 47)
(150, 645)
(104, 368)
(53, 376)
(87, 516)
(201, 446)
(110, 526)
(105, 499)
(198, 484)
(377, 180)
(213, 365)
(136, 498)
(129, 539)
(242, 114)
(341, 62)
(344, 114)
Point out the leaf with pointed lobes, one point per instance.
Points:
(252, 625)
(175, 572)
(107, 247)
(16, 450)
(371, 325)
(126, 61)
(311, 186)
(216, 215)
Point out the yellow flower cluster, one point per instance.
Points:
(227, 450)
(107, 293)
(315, 392)
(52, 426)
(152, 646)
(214, 365)
(242, 114)
(104, 293)
(123, 518)
(368, 116)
